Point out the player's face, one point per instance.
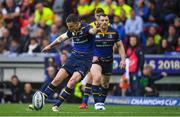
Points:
(73, 27)
(104, 21)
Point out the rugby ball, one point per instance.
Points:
(38, 100)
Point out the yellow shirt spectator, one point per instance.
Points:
(83, 8)
(95, 5)
(43, 14)
(124, 7)
(107, 8)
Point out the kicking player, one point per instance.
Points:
(80, 61)
(87, 81)
(103, 60)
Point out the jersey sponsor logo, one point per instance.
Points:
(110, 36)
(97, 36)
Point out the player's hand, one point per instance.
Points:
(46, 49)
(95, 58)
(122, 64)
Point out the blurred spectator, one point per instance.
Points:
(178, 45)
(136, 57)
(26, 9)
(2, 28)
(32, 26)
(169, 10)
(45, 42)
(123, 6)
(141, 9)
(65, 45)
(24, 38)
(6, 38)
(43, 14)
(48, 3)
(63, 57)
(152, 47)
(54, 33)
(109, 8)
(164, 46)
(177, 25)
(134, 25)
(2, 48)
(15, 90)
(153, 32)
(11, 13)
(147, 80)
(69, 6)
(26, 12)
(171, 36)
(123, 17)
(83, 8)
(119, 27)
(27, 95)
(33, 46)
(153, 14)
(14, 46)
(58, 6)
(95, 4)
(58, 21)
(51, 72)
(40, 34)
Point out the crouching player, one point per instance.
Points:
(103, 59)
(80, 61)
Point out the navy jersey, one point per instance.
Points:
(104, 42)
(83, 41)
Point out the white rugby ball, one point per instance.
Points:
(38, 100)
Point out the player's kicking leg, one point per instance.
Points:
(87, 82)
(61, 75)
(76, 77)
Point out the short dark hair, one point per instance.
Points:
(104, 15)
(72, 18)
(99, 10)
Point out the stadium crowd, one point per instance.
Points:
(27, 26)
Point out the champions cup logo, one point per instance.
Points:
(154, 102)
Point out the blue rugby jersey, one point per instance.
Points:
(104, 42)
(83, 41)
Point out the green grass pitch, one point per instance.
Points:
(73, 110)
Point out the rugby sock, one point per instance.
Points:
(66, 92)
(104, 92)
(49, 90)
(96, 93)
(87, 92)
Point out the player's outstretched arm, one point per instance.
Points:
(55, 42)
(121, 51)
